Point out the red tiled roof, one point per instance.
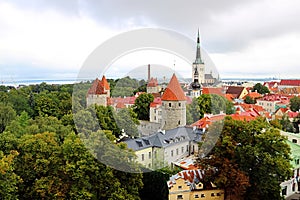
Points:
(249, 107)
(105, 83)
(230, 97)
(153, 82)
(253, 95)
(173, 91)
(96, 88)
(235, 91)
(212, 90)
(292, 114)
(208, 120)
(240, 117)
(290, 82)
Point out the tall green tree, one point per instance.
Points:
(142, 106)
(7, 114)
(295, 103)
(249, 160)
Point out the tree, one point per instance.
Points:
(127, 120)
(295, 103)
(249, 100)
(9, 180)
(7, 114)
(260, 88)
(249, 160)
(142, 106)
(214, 104)
(193, 112)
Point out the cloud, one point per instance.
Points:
(240, 36)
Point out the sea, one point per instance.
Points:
(23, 82)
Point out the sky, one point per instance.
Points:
(51, 39)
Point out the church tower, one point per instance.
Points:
(173, 105)
(198, 65)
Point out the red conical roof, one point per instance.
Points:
(173, 91)
(105, 83)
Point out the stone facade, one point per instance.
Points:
(99, 99)
(173, 114)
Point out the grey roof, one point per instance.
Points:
(165, 138)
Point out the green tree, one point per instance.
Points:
(7, 114)
(142, 106)
(127, 120)
(249, 100)
(295, 103)
(214, 104)
(249, 160)
(193, 112)
(9, 180)
(260, 88)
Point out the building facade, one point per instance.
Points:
(173, 105)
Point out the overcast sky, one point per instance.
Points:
(52, 38)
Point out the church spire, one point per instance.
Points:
(198, 54)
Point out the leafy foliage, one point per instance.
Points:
(295, 103)
(142, 106)
(249, 160)
(208, 104)
(260, 88)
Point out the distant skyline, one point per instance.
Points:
(42, 39)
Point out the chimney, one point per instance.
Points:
(148, 73)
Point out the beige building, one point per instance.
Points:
(187, 185)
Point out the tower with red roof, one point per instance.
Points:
(173, 105)
(98, 93)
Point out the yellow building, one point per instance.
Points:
(187, 185)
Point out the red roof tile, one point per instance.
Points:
(96, 88)
(173, 91)
(290, 82)
(253, 95)
(212, 90)
(153, 82)
(105, 83)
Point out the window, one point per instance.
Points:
(179, 104)
(170, 104)
(176, 151)
(172, 153)
(212, 194)
(179, 187)
(182, 149)
(149, 155)
(283, 192)
(179, 122)
(297, 161)
(293, 187)
(154, 110)
(155, 154)
(218, 194)
(149, 165)
(154, 117)
(179, 196)
(143, 157)
(202, 195)
(294, 141)
(187, 148)
(196, 196)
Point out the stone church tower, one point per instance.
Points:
(98, 93)
(173, 105)
(198, 64)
